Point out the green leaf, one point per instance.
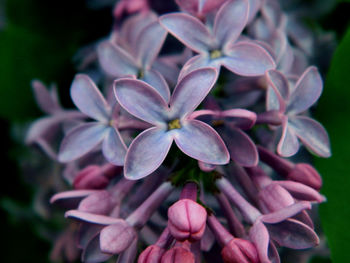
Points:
(334, 113)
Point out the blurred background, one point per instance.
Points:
(39, 39)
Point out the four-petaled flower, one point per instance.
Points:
(219, 46)
(195, 138)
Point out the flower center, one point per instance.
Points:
(140, 74)
(174, 124)
(215, 54)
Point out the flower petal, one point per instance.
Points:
(92, 253)
(307, 91)
(230, 21)
(88, 98)
(285, 213)
(115, 61)
(242, 149)
(260, 237)
(189, 30)
(92, 218)
(113, 147)
(240, 118)
(197, 62)
(312, 134)
(146, 153)
(140, 100)
(201, 142)
(191, 91)
(248, 59)
(149, 43)
(115, 238)
(46, 100)
(81, 140)
(156, 80)
(301, 191)
(278, 82)
(288, 144)
(293, 234)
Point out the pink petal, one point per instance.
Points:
(157, 81)
(288, 144)
(92, 218)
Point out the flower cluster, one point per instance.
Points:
(221, 79)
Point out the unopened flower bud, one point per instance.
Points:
(151, 254)
(306, 174)
(239, 251)
(178, 255)
(187, 220)
(100, 203)
(91, 177)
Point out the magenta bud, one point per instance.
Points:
(91, 177)
(187, 220)
(151, 254)
(306, 174)
(239, 251)
(178, 255)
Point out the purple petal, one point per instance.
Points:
(44, 98)
(149, 43)
(254, 6)
(92, 218)
(191, 91)
(70, 199)
(248, 59)
(88, 98)
(115, 238)
(201, 142)
(92, 253)
(115, 61)
(230, 21)
(183, 26)
(242, 149)
(99, 203)
(156, 80)
(278, 82)
(146, 153)
(288, 144)
(285, 213)
(301, 191)
(86, 233)
(260, 237)
(128, 256)
(140, 100)
(206, 167)
(197, 62)
(113, 147)
(312, 134)
(81, 140)
(293, 234)
(240, 118)
(307, 91)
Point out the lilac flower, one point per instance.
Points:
(44, 131)
(85, 137)
(219, 46)
(291, 101)
(137, 61)
(195, 138)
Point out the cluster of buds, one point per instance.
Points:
(235, 98)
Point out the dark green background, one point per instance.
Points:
(39, 40)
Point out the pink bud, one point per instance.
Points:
(274, 197)
(100, 203)
(178, 255)
(306, 174)
(187, 220)
(151, 254)
(239, 251)
(91, 177)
